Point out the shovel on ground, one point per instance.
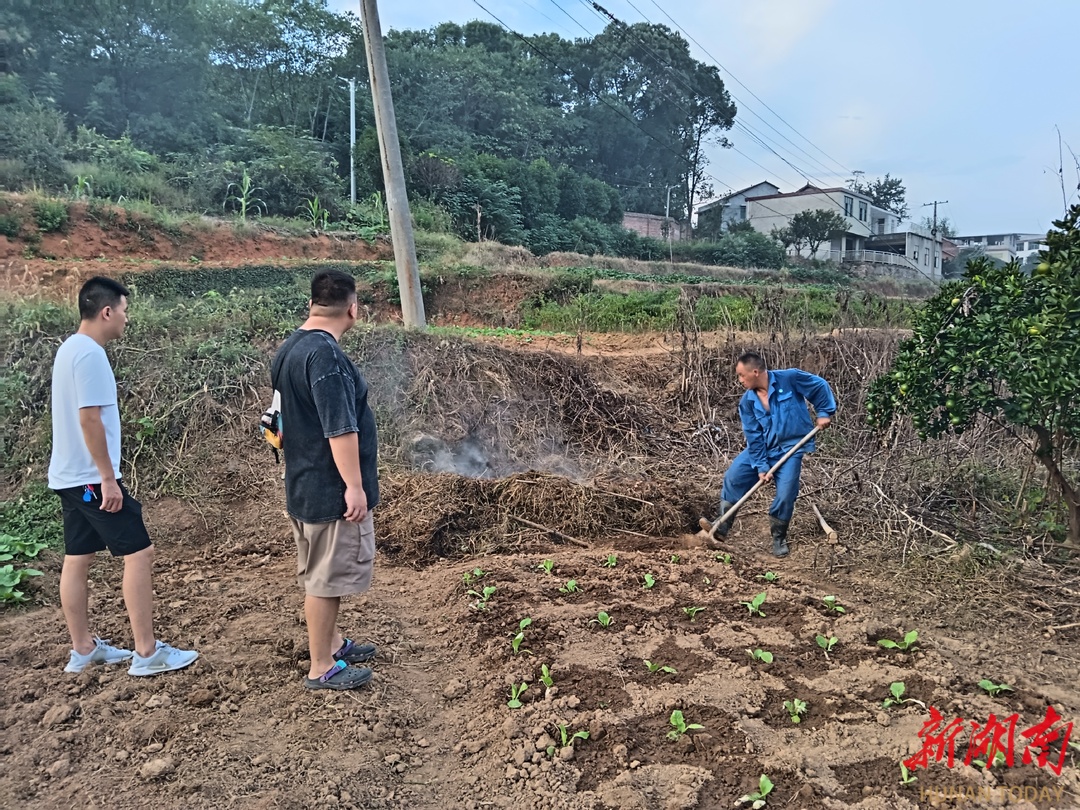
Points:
(711, 527)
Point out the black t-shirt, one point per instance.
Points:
(323, 395)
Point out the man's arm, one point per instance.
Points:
(346, 451)
(755, 436)
(93, 430)
(818, 393)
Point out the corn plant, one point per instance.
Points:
(315, 213)
(244, 197)
(83, 187)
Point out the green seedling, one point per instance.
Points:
(520, 637)
(680, 726)
(676, 559)
(999, 759)
(758, 798)
(896, 692)
(546, 566)
(754, 605)
(769, 576)
(482, 599)
(660, 668)
(571, 586)
(692, 612)
(545, 676)
(723, 557)
(567, 738)
(611, 561)
(796, 709)
(602, 619)
(516, 691)
(907, 644)
(906, 777)
(650, 580)
(831, 604)
(315, 213)
(826, 644)
(764, 656)
(469, 576)
(994, 689)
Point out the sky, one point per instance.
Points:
(962, 99)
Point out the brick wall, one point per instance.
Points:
(652, 225)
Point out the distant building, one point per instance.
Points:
(1005, 246)
(715, 216)
(655, 226)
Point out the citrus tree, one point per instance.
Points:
(1003, 345)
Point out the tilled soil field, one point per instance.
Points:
(435, 730)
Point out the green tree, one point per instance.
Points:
(945, 228)
(886, 192)
(814, 227)
(1002, 345)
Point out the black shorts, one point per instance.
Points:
(88, 528)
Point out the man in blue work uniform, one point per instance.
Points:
(774, 417)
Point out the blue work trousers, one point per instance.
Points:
(742, 475)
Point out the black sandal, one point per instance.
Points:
(340, 676)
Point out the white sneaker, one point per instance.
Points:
(103, 653)
(165, 659)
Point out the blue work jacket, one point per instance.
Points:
(770, 434)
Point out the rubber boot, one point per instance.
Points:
(779, 536)
(725, 527)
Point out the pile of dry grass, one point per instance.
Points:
(423, 517)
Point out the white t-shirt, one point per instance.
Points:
(82, 378)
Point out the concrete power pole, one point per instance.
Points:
(397, 201)
(352, 139)
(935, 251)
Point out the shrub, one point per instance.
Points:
(10, 225)
(50, 215)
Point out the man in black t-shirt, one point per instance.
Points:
(331, 475)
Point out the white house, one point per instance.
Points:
(731, 208)
(774, 211)
(1005, 246)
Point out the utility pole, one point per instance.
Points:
(352, 139)
(935, 252)
(667, 219)
(397, 201)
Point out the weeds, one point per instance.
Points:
(754, 605)
(908, 642)
(796, 709)
(994, 689)
(764, 656)
(516, 691)
(692, 612)
(50, 215)
(758, 797)
(680, 726)
(12, 548)
(660, 668)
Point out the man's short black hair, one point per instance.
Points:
(753, 360)
(333, 289)
(98, 293)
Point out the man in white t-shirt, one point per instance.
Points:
(99, 513)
